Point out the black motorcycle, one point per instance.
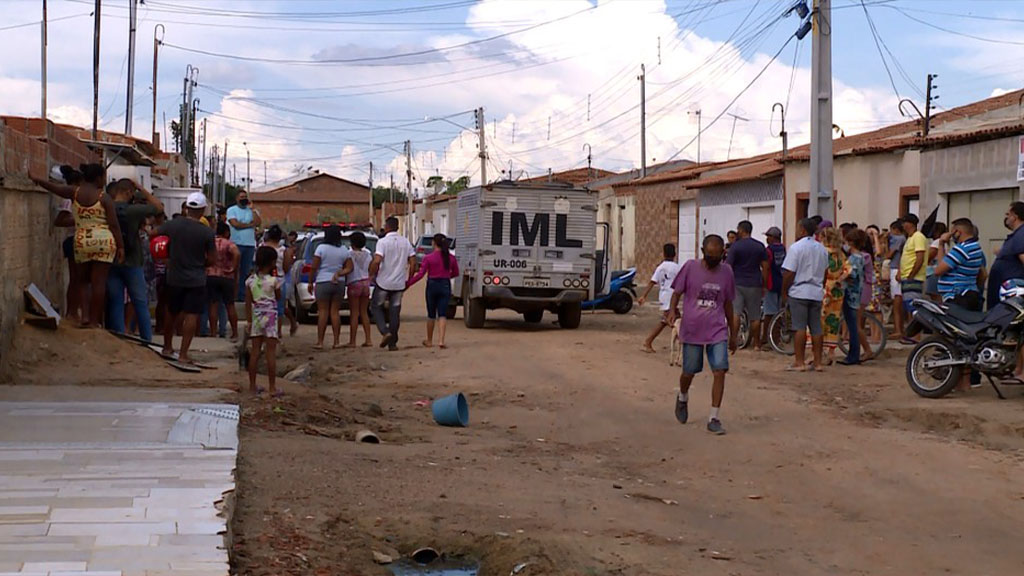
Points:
(960, 339)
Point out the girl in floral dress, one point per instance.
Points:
(832, 305)
(261, 296)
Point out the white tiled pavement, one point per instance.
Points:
(112, 489)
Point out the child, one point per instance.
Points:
(663, 277)
(359, 290)
(261, 296)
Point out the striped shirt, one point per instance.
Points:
(965, 262)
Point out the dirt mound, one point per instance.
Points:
(72, 355)
(309, 412)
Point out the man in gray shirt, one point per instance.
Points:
(803, 279)
(192, 249)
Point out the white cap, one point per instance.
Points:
(196, 200)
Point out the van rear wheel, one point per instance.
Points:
(474, 313)
(569, 315)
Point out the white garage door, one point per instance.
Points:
(763, 218)
(986, 210)
(687, 240)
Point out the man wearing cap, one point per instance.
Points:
(749, 261)
(192, 250)
(773, 289)
(244, 221)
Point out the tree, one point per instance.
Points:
(230, 190)
(448, 187)
(382, 194)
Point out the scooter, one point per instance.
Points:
(620, 295)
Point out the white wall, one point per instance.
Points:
(140, 174)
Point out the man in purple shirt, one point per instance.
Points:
(707, 288)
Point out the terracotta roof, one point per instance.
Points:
(343, 191)
(766, 168)
(576, 177)
(907, 134)
(717, 172)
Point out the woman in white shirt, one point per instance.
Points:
(332, 262)
(359, 290)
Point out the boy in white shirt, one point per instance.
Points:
(663, 277)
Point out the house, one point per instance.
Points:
(878, 174)
(442, 215)
(314, 197)
(682, 204)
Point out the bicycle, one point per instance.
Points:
(780, 334)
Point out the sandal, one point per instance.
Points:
(791, 368)
(427, 344)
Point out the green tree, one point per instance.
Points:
(448, 187)
(382, 194)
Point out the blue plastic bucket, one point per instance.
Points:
(451, 411)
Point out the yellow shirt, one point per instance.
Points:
(916, 243)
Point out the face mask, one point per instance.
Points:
(243, 202)
(712, 262)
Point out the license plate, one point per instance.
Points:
(536, 282)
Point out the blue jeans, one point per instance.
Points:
(850, 317)
(244, 268)
(134, 279)
(693, 357)
(222, 321)
(392, 322)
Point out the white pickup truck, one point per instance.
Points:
(528, 247)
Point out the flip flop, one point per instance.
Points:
(368, 345)
(318, 347)
(648, 350)
(427, 345)
(791, 368)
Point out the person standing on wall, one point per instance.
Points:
(130, 274)
(749, 261)
(394, 263)
(192, 249)
(244, 219)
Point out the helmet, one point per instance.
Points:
(159, 247)
(1011, 289)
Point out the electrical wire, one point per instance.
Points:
(878, 45)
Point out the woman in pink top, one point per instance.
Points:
(439, 267)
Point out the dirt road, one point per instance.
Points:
(574, 462)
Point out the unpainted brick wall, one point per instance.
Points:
(30, 250)
(657, 221)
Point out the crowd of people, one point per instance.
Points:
(124, 254)
(831, 279)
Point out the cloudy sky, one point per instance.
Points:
(336, 84)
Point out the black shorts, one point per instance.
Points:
(969, 300)
(186, 300)
(221, 289)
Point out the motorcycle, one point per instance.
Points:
(961, 339)
(620, 295)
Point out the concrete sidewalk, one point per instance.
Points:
(115, 488)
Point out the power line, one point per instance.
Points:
(874, 34)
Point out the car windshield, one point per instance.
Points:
(427, 241)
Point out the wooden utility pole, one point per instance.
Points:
(42, 107)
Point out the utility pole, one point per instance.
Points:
(697, 113)
(42, 107)
(214, 169)
(96, 70)
(133, 10)
(821, 197)
(643, 120)
(589, 152)
(928, 104)
(371, 193)
(483, 144)
(202, 161)
(248, 163)
(158, 36)
(224, 176)
(408, 189)
(728, 153)
(264, 173)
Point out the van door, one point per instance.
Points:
(569, 255)
(513, 233)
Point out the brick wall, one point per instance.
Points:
(29, 244)
(292, 215)
(657, 220)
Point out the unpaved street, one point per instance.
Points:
(574, 462)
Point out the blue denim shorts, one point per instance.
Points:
(693, 357)
(771, 305)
